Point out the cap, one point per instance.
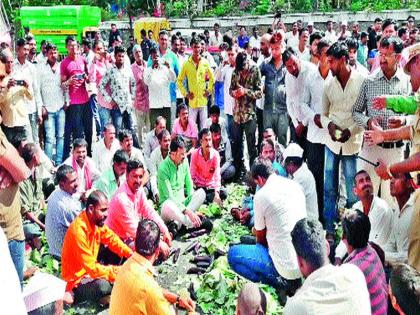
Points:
(293, 150)
(344, 23)
(412, 51)
(310, 23)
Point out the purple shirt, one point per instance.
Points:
(190, 132)
(369, 263)
(141, 101)
(77, 92)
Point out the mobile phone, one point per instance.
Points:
(80, 76)
(20, 82)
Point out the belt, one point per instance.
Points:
(391, 145)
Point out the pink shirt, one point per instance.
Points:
(204, 173)
(127, 209)
(190, 132)
(77, 92)
(97, 70)
(141, 101)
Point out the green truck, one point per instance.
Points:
(55, 23)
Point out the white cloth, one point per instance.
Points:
(380, 217)
(396, 250)
(331, 36)
(331, 290)
(304, 55)
(255, 42)
(150, 143)
(49, 91)
(102, 157)
(171, 212)
(215, 41)
(222, 124)
(361, 69)
(27, 72)
(154, 162)
(181, 61)
(306, 180)
(138, 155)
(278, 205)
(95, 174)
(337, 107)
(292, 40)
(158, 81)
(260, 102)
(43, 289)
(11, 299)
(224, 75)
(304, 99)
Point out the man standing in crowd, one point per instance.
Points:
(390, 79)
(216, 39)
(243, 38)
(274, 72)
(146, 44)
(330, 33)
(73, 70)
(376, 29)
(197, 70)
(245, 89)
(345, 136)
(114, 34)
(51, 97)
(292, 37)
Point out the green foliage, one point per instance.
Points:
(181, 8)
(263, 7)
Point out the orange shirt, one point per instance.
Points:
(80, 252)
(136, 292)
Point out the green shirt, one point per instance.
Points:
(107, 183)
(403, 104)
(174, 182)
(31, 194)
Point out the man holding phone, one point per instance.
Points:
(78, 113)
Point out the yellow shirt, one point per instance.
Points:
(196, 77)
(13, 105)
(136, 292)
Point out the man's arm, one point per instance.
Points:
(193, 166)
(114, 243)
(290, 99)
(255, 91)
(147, 211)
(180, 80)
(359, 108)
(11, 161)
(211, 79)
(106, 79)
(259, 221)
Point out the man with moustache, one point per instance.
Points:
(86, 278)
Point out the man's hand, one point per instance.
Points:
(334, 131)
(396, 122)
(373, 124)
(190, 95)
(382, 170)
(345, 135)
(11, 83)
(245, 216)
(25, 84)
(39, 120)
(156, 197)
(300, 128)
(5, 178)
(379, 103)
(217, 198)
(206, 93)
(317, 120)
(73, 79)
(167, 239)
(195, 219)
(373, 137)
(187, 304)
(338, 261)
(164, 249)
(166, 63)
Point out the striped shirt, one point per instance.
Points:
(369, 263)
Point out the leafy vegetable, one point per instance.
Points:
(211, 210)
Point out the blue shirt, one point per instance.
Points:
(242, 41)
(171, 58)
(61, 211)
(275, 87)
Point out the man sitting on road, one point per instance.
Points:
(130, 204)
(205, 169)
(85, 276)
(113, 176)
(178, 201)
(222, 145)
(135, 290)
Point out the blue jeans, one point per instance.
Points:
(254, 263)
(331, 175)
(120, 121)
(94, 108)
(17, 252)
(54, 134)
(78, 125)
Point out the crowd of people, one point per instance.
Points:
(111, 152)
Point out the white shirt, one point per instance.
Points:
(27, 72)
(304, 99)
(255, 42)
(331, 36)
(292, 40)
(360, 68)
(260, 102)
(396, 250)
(380, 217)
(225, 74)
(331, 290)
(278, 205)
(155, 159)
(136, 154)
(222, 124)
(151, 142)
(306, 180)
(215, 41)
(181, 61)
(95, 174)
(11, 299)
(102, 156)
(304, 55)
(49, 92)
(158, 81)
